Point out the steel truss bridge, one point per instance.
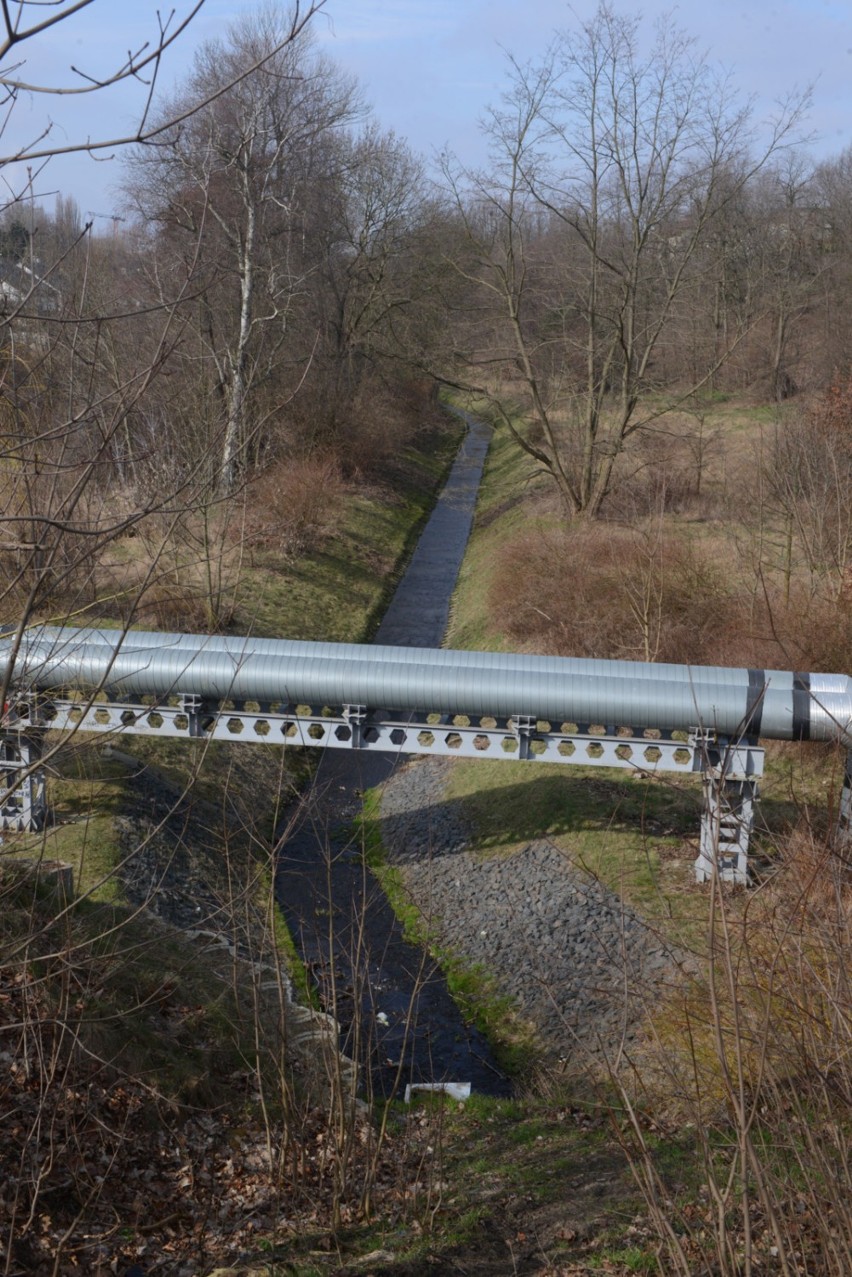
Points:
(633, 716)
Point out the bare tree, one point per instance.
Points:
(610, 170)
(82, 349)
(808, 472)
(833, 192)
(229, 188)
(85, 347)
(787, 260)
(369, 273)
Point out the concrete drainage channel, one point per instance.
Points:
(397, 1016)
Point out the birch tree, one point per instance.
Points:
(233, 188)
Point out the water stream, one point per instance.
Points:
(397, 1016)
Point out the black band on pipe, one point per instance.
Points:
(754, 704)
(801, 707)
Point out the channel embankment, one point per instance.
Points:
(580, 965)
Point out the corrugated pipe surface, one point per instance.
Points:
(286, 649)
(776, 704)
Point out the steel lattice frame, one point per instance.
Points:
(730, 769)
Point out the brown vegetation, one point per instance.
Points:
(192, 403)
(734, 1113)
(750, 1063)
(606, 591)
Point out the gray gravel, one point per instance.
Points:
(578, 962)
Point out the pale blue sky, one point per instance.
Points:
(430, 67)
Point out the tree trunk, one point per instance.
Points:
(232, 443)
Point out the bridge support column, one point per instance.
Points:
(730, 771)
(727, 820)
(22, 790)
(356, 719)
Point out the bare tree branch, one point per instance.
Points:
(131, 68)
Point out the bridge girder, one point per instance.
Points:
(728, 767)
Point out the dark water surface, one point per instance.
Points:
(397, 1016)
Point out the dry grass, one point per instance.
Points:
(735, 1112)
(753, 1060)
(599, 590)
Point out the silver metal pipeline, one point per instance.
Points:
(787, 709)
(55, 638)
(55, 643)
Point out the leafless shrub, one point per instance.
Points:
(659, 474)
(610, 592)
(761, 625)
(380, 422)
(293, 506)
(807, 632)
(366, 429)
(171, 604)
(807, 472)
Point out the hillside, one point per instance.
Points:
(221, 412)
(158, 1072)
